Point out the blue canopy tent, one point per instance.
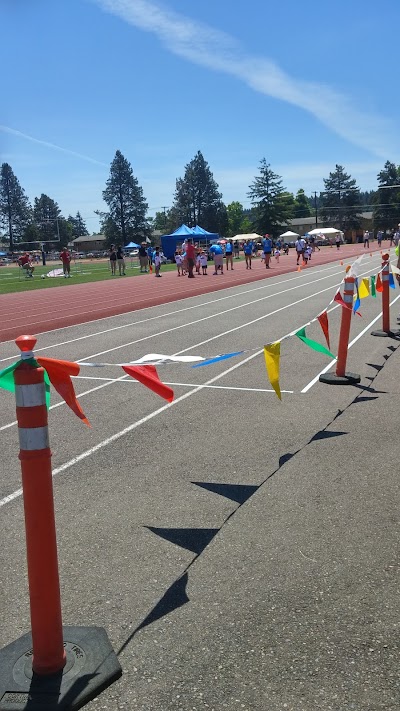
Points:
(132, 245)
(169, 243)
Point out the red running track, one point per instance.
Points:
(67, 305)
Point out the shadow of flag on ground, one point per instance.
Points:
(193, 539)
(172, 599)
(236, 492)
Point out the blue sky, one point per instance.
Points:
(305, 85)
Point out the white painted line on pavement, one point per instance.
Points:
(130, 428)
(270, 283)
(187, 385)
(329, 366)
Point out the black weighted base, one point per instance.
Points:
(333, 379)
(386, 334)
(91, 666)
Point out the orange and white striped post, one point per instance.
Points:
(386, 330)
(35, 456)
(340, 377)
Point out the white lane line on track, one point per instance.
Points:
(130, 428)
(178, 311)
(248, 323)
(216, 315)
(329, 366)
(186, 385)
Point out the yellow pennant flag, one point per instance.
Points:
(272, 354)
(364, 288)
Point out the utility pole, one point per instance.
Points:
(316, 209)
(165, 218)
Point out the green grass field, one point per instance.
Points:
(83, 271)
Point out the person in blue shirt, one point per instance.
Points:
(150, 254)
(248, 253)
(218, 256)
(229, 254)
(267, 249)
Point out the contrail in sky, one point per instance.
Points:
(201, 44)
(19, 134)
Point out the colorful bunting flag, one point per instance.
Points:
(272, 354)
(373, 287)
(324, 323)
(364, 288)
(217, 359)
(391, 281)
(312, 344)
(379, 285)
(59, 372)
(7, 378)
(148, 376)
(339, 299)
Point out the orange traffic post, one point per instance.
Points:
(37, 485)
(341, 377)
(385, 331)
(53, 667)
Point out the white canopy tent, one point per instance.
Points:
(325, 231)
(289, 234)
(245, 238)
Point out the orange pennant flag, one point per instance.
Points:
(379, 285)
(59, 372)
(323, 322)
(148, 376)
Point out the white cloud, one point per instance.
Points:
(201, 44)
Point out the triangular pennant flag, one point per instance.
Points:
(323, 321)
(373, 288)
(356, 305)
(339, 299)
(391, 281)
(379, 285)
(217, 359)
(148, 376)
(395, 270)
(7, 378)
(59, 372)
(312, 344)
(364, 288)
(272, 354)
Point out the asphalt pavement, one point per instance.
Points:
(241, 552)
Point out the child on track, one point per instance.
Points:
(203, 262)
(179, 262)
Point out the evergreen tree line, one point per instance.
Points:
(197, 201)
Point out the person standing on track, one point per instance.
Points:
(218, 256)
(190, 256)
(300, 246)
(229, 254)
(267, 249)
(248, 253)
(366, 239)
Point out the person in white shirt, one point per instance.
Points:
(300, 246)
(203, 262)
(178, 262)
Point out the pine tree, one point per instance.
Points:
(302, 206)
(272, 206)
(197, 199)
(341, 201)
(126, 220)
(387, 198)
(15, 210)
(78, 225)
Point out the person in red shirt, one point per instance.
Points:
(25, 262)
(190, 256)
(66, 262)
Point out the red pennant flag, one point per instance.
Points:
(323, 322)
(339, 299)
(59, 372)
(148, 376)
(379, 285)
